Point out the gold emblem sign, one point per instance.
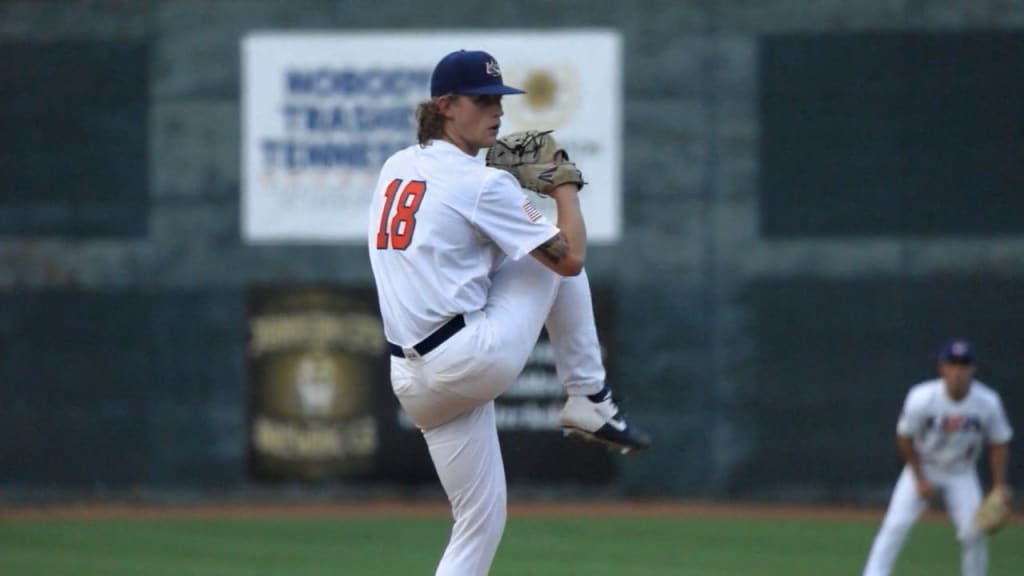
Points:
(311, 354)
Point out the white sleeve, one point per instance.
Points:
(997, 428)
(505, 214)
(912, 415)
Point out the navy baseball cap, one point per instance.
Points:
(468, 72)
(956, 351)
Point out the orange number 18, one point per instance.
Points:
(396, 231)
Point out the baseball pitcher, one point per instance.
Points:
(468, 272)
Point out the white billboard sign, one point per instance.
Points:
(322, 111)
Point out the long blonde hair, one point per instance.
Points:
(429, 120)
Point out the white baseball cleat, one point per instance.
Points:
(603, 422)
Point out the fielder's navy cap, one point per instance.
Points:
(468, 72)
(957, 351)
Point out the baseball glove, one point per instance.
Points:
(535, 159)
(994, 511)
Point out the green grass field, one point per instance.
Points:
(409, 546)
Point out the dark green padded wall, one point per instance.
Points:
(892, 133)
(74, 138)
(122, 387)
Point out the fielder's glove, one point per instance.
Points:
(535, 159)
(994, 511)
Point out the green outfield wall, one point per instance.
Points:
(813, 198)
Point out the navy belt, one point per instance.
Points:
(434, 340)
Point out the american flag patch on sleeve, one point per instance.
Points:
(531, 211)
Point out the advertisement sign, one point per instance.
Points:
(314, 364)
(322, 111)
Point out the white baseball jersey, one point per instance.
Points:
(948, 434)
(440, 223)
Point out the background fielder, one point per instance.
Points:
(940, 434)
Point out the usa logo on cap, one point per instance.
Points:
(957, 350)
(468, 72)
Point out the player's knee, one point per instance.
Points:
(970, 536)
(500, 515)
(485, 514)
(496, 511)
(499, 500)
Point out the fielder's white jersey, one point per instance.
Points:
(440, 223)
(948, 434)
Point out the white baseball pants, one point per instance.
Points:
(962, 494)
(449, 394)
